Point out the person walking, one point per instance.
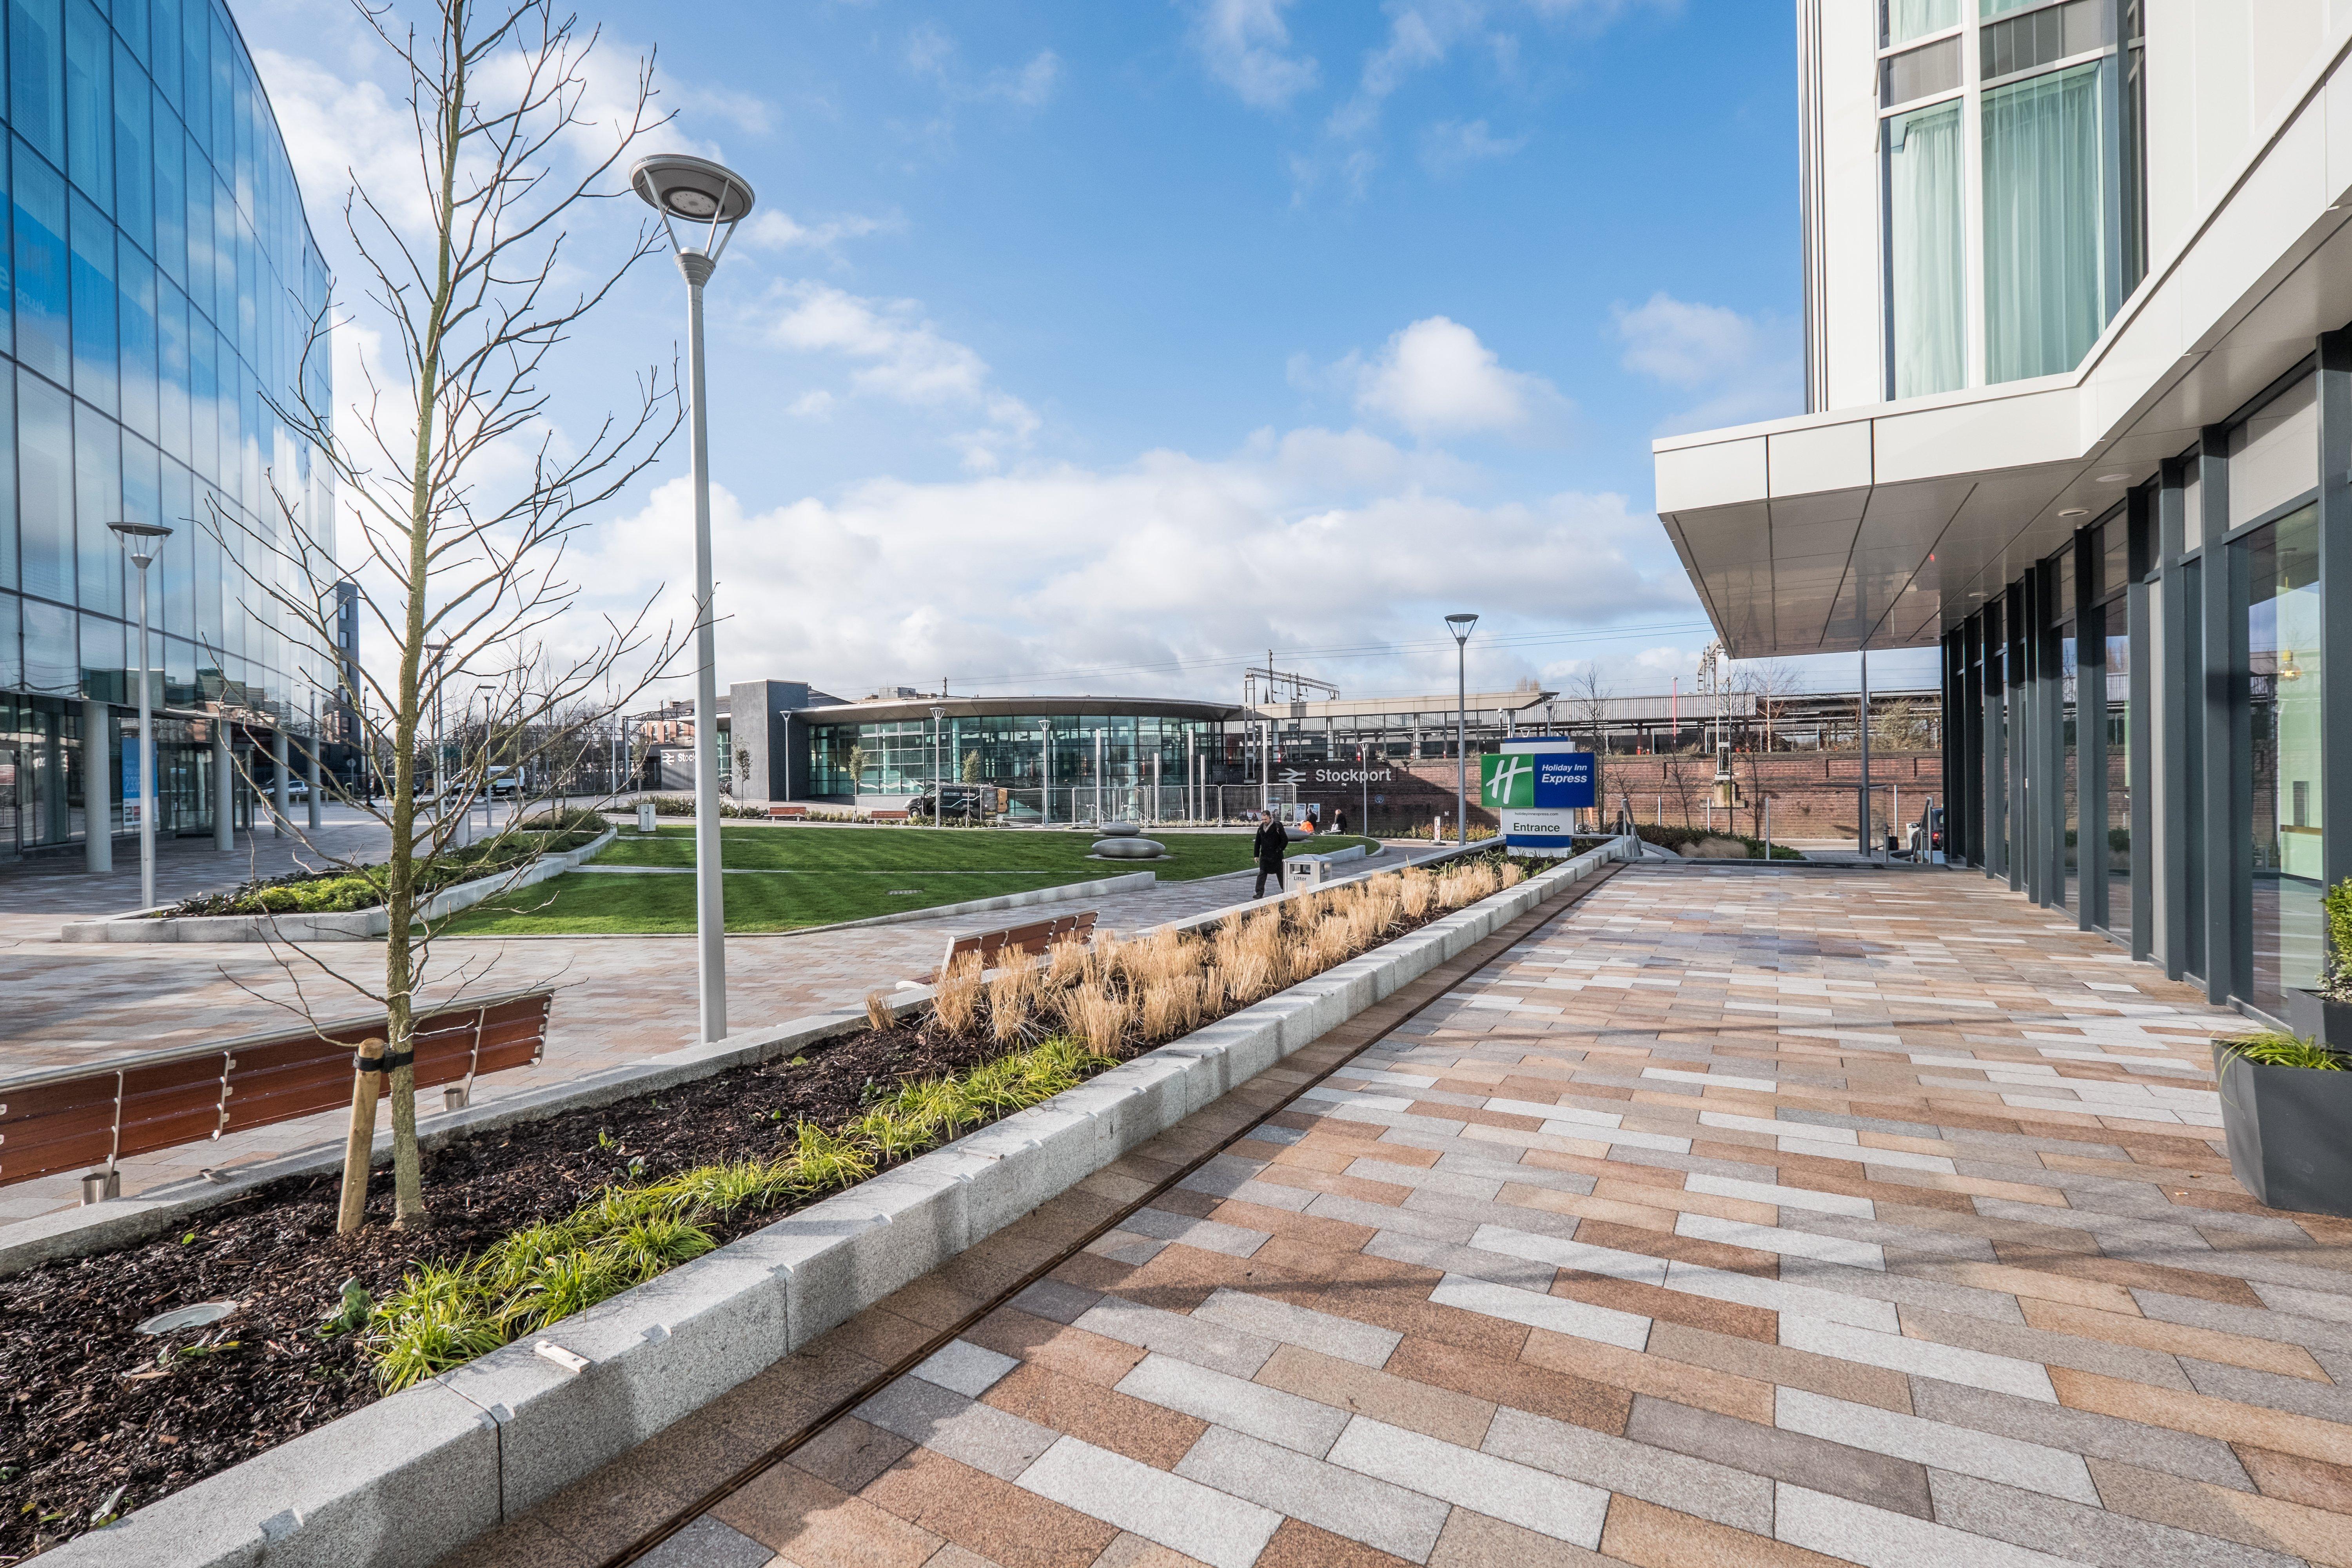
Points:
(1269, 844)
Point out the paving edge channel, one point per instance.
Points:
(410, 1478)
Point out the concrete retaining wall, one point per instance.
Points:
(356, 925)
(413, 1476)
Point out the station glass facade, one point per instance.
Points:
(1020, 753)
(158, 280)
(2140, 723)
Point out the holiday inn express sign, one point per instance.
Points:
(1557, 780)
(1534, 785)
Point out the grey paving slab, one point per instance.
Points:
(1346, 1502)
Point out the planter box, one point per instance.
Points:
(2319, 1017)
(356, 925)
(2290, 1132)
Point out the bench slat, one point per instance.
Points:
(72, 1122)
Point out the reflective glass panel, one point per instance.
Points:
(2283, 694)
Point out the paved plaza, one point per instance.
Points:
(618, 999)
(1724, 1218)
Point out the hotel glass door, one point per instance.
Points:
(2282, 695)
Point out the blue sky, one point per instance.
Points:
(1098, 347)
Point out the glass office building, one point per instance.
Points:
(1057, 759)
(161, 281)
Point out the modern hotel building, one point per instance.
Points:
(2078, 276)
(159, 282)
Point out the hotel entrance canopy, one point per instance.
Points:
(1885, 525)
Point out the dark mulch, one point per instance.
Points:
(78, 1418)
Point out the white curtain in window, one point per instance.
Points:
(1923, 190)
(2045, 224)
(1909, 20)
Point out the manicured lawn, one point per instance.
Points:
(782, 878)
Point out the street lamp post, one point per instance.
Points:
(939, 793)
(700, 192)
(489, 694)
(1460, 626)
(145, 539)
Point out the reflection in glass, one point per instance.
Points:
(2283, 688)
(2070, 783)
(2119, 793)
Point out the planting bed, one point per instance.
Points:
(82, 1415)
(87, 1405)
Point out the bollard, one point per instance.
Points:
(367, 1082)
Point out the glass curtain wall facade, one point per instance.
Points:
(2013, 158)
(1072, 755)
(2184, 726)
(160, 284)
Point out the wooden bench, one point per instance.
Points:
(888, 816)
(776, 812)
(84, 1115)
(1035, 937)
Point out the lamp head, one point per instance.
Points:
(144, 538)
(1460, 625)
(694, 189)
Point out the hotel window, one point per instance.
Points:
(1925, 250)
(2046, 223)
(2014, 179)
(1900, 21)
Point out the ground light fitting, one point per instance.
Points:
(2075, 511)
(2115, 479)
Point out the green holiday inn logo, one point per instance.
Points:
(1506, 780)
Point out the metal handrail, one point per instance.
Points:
(212, 1047)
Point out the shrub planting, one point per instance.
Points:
(362, 888)
(444, 1316)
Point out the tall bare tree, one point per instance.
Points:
(465, 494)
(1588, 697)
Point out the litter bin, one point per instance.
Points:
(645, 817)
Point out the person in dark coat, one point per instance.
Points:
(1339, 820)
(1269, 846)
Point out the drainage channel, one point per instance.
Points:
(1476, 958)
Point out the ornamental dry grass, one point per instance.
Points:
(1113, 996)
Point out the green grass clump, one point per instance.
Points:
(2271, 1049)
(444, 1316)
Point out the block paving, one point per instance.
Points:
(1724, 1218)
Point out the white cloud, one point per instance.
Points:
(1746, 367)
(932, 53)
(900, 354)
(1167, 558)
(1246, 44)
(772, 229)
(1436, 378)
(1683, 345)
(1452, 144)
